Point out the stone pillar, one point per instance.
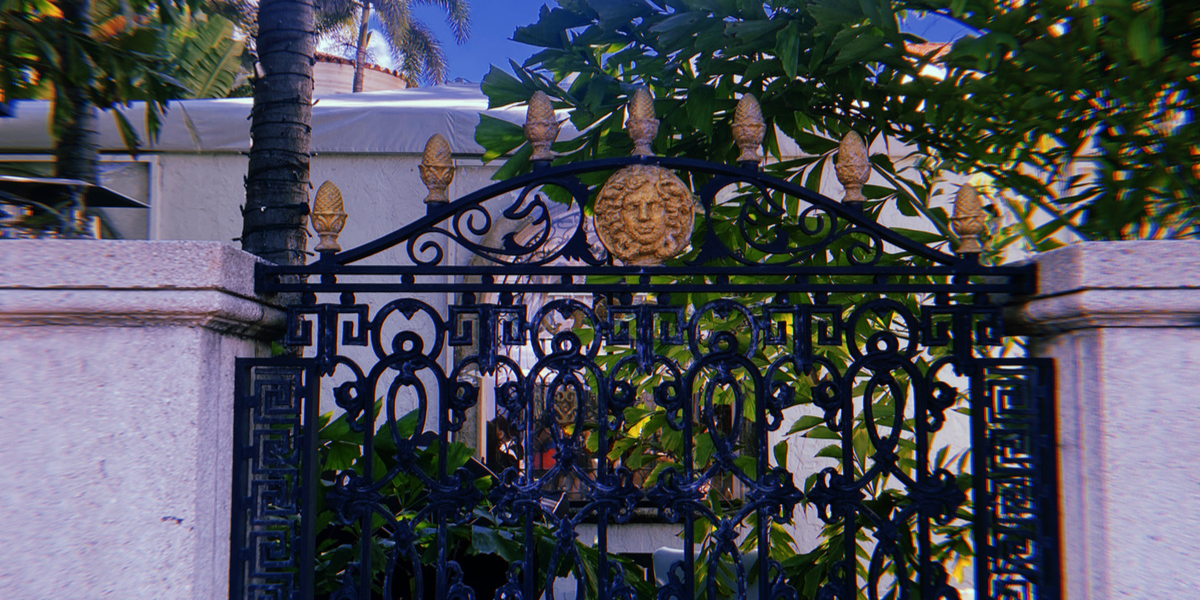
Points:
(116, 414)
(1122, 321)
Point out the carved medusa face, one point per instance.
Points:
(644, 215)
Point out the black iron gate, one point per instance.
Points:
(510, 378)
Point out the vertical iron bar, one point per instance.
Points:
(602, 517)
(764, 523)
(442, 542)
(443, 438)
(689, 533)
(921, 387)
(980, 459)
(366, 575)
(530, 574)
(850, 530)
(241, 427)
(308, 482)
(1050, 537)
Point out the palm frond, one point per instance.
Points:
(242, 13)
(396, 16)
(423, 54)
(342, 40)
(411, 43)
(458, 16)
(333, 14)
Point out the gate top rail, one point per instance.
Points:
(536, 243)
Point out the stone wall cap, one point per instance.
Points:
(1145, 283)
(126, 264)
(1141, 264)
(120, 283)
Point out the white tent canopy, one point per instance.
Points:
(392, 122)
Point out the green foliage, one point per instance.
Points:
(119, 60)
(154, 52)
(697, 57)
(1075, 118)
(1078, 117)
(404, 499)
(209, 59)
(819, 70)
(81, 55)
(1084, 109)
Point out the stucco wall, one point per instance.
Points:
(201, 195)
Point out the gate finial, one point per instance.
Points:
(853, 167)
(642, 125)
(328, 217)
(748, 128)
(968, 220)
(437, 169)
(541, 128)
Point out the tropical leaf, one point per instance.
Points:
(208, 58)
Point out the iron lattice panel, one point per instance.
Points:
(746, 354)
(270, 495)
(1017, 517)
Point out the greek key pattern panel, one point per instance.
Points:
(1019, 556)
(268, 499)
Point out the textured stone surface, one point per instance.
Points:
(1120, 265)
(1115, 284)
(1121, 321)
(123, 265)
(117, 377)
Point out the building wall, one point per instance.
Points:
(338, 78)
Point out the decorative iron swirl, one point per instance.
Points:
(408, 340)
(778, 239)
(668, 394)
(542, 243)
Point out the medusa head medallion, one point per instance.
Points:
(645, 215)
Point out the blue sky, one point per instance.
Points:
(493, 23)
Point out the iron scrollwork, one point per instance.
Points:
(621, 388)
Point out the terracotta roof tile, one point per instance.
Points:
(333, 58)
(937, 49)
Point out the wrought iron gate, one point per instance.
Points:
(618, 380)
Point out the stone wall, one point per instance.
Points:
(1122, 321)
(116, 406)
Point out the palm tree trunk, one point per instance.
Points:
(77, 151)
(360, 54)
(77, 154)
(277, 183)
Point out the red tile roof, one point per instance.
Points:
(937, 49)
(333, 58)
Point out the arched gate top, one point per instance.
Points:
(752, 231)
